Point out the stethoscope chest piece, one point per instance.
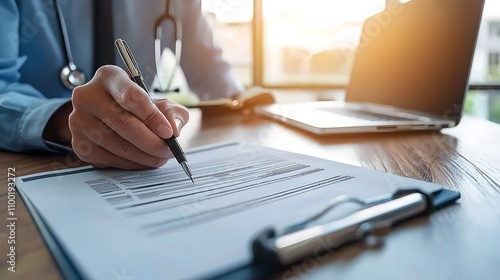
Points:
(72, 76)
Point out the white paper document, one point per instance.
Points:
(156, 224)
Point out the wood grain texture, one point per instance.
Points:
(459, 242)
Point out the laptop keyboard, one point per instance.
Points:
(365, 115)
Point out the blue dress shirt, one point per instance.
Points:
(32, 54)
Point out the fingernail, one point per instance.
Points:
(179, 124)
(164, 131)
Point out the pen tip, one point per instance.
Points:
(191, 179)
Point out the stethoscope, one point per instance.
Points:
(167, 16)
(71, 76)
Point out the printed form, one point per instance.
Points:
(156, 224)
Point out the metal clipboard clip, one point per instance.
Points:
(298, 241)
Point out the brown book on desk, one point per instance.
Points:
(241, 103)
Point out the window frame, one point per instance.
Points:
(259, 62)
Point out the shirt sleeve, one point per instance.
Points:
(207, 73)
(24, 111)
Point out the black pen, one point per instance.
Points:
(136, 75)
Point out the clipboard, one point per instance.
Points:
(265, 263)
(263, 266)
(402, 205)
(59, 255)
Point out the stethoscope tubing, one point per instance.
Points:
(158, 31)
(64, 33)
(70, 71)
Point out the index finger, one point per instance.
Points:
(131, 97)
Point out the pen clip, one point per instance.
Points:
(128, 58)
(337, 201)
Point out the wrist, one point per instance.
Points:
(57, 128)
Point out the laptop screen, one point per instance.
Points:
(417, 56)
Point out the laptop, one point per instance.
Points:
(410, 72)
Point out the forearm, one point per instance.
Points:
(23, 117)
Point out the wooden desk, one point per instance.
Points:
(459, 242)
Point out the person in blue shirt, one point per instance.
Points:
(108, 121)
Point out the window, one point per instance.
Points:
(485, 69)
(231, 21)
(494, 29)
(485, 73)
(494, 66)
(304, 43)
(310, 44)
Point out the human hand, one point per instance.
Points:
(114, 123)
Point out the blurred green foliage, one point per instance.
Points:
(495, 108)
(471, 103)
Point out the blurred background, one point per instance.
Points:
(308, 45)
